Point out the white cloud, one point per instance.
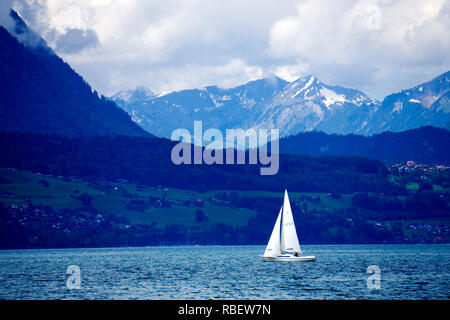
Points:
(291, 72)
(379, 46)
(397, 43)
(234, 72)
(166, 45)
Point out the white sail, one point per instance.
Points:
(273, 248)
(289, 239)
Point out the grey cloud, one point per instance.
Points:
(5, 19)
(71, 42)
(76, 40)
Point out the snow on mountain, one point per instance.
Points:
(133, 95)
(422, 105)
(305, 104)
(216, 107)
(308, 104)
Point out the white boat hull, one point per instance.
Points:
(288, 258)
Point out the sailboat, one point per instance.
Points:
(283, 243)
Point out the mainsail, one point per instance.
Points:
(284, 236)
(289, 239)
(273, 248)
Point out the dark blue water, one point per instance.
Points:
(407, 272)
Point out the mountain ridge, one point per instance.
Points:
(41, 93)
(422, 105)
(269, 102)
(428, 145)
(305, 104)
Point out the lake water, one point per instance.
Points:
(340, 272)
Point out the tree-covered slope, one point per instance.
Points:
(40, 93)
(425, 145)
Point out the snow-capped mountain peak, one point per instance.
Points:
(307, 104)
(425, 104)
(301, 105)
(305, 87)
(132, 95)
(271, 102)
(311, 88)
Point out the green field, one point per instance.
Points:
(203, 211)
(414, 186)
(115, 197)
(63, 193)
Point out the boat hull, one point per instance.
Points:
(288, 258)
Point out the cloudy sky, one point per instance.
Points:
(378, 46)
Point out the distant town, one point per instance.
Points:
(411, 166)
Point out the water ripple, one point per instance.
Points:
(407, 272)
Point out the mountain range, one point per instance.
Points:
(425, 104)
(303, 105)
(41, 93)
